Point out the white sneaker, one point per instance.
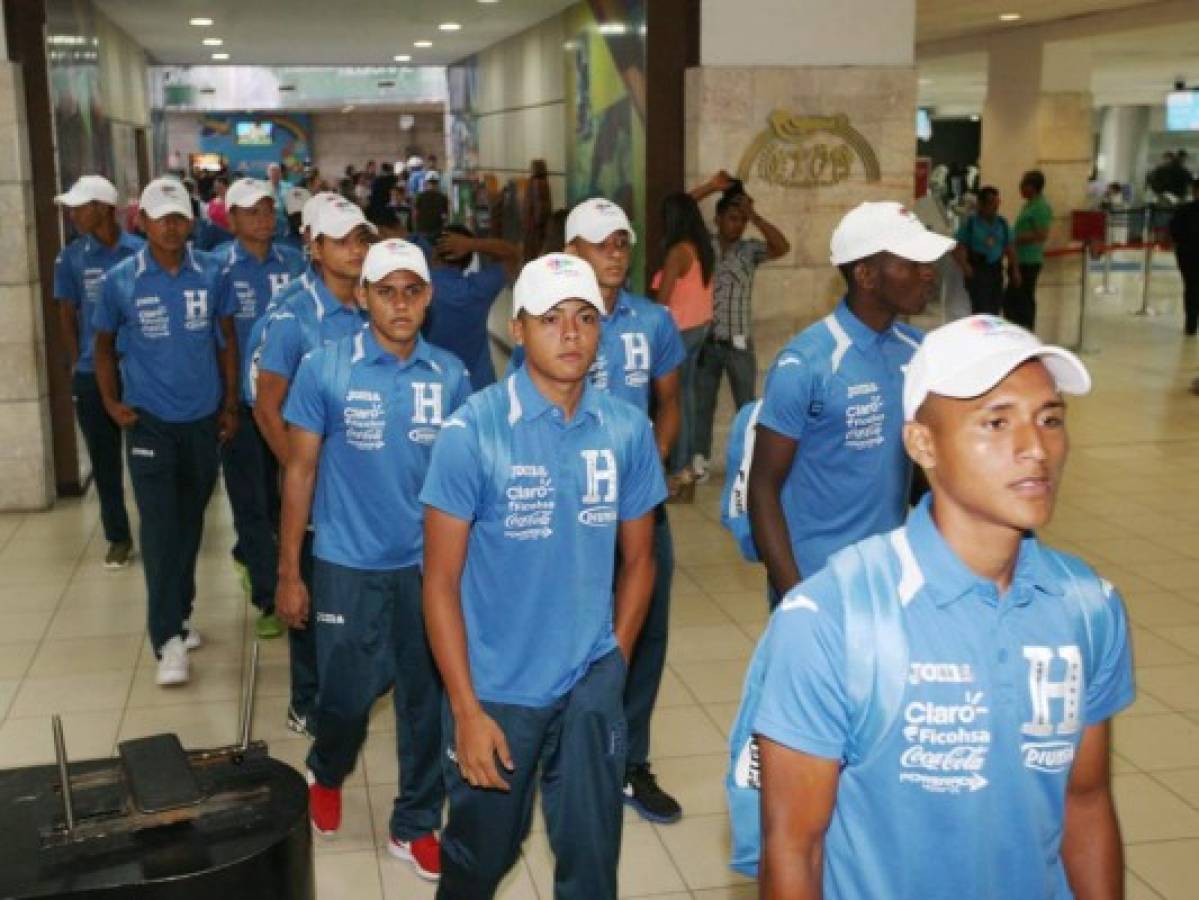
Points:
(699, 467)
(172, 665)
(191, 637)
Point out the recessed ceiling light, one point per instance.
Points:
(449, 26)
(974, 118)
(403, 57)
(422, 43)
(489, 1)
(200, 21)
(1010, 17)
(213, 42)
(220, 57)
(613, 28)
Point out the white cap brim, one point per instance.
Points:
(250, 198)
(981, 375)
(73, 198)
(166, 208)
(921, 248)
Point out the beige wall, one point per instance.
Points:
(341, 139)
(522, 105)
(123, 84)
(26, 467)
(728, 107)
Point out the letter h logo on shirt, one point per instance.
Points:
(601, 470)
(426, 403)
(636, 351)
(195, 304)
(279, 280)
(1043, 690)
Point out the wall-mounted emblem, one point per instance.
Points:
(808, 152)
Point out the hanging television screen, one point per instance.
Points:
(255, 134)
(1182, 111)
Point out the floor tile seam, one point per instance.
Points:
(41, 639)
(1188, 803)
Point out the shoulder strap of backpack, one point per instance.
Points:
(875, 643)
(737, 504)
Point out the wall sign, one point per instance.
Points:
(807, 152)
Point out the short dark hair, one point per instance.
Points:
(986, 193)
(1035, 179)
(847, 268)
(728, 198)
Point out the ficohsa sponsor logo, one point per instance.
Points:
(597, 516)
(1053, 756)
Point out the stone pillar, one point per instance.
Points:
(26, 465)
(1038, 115)
(783, 79)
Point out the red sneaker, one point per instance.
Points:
(424, 854)
(324, 807)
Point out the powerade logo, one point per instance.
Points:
(1053, 756)
(598, 516)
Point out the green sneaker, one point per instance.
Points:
(268, 626)
(244, 574)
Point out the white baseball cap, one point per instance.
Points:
(433, 175)
(392, 255)
(312, 204)
(548, 280)
(890, 227)
(89, 189)
(968, 357)
(164, 196)
(246, 192)
(593, 220)
(295, 198)
(337, 218)
(414, 162)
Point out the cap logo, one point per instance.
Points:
(559, 266)
(988, 324)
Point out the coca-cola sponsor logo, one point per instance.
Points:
(957, 759)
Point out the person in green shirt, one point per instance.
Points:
(1032, 231)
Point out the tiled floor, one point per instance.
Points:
(71, 641)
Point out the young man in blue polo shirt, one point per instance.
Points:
(321, 309)
(638, 361)
(255, 268)
(176, 396)
(78, 273)
(828, 464)
(536, 484)
(465, 285)
(995, 679)
(363, 415)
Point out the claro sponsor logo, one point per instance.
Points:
(598, 516)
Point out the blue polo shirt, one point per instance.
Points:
(837, 389)
(987, 239)
(639, 343)
(458, 316)
(304, 320)
(964, 795)
(379, 416)
(78, 275)
(544, 497)
(169, 323)
(251, 353)
(254, 283)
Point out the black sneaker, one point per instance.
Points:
(641, 792)
(298, 723)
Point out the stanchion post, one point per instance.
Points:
(1082, 296)
(1106, 287)
(1145, 279)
